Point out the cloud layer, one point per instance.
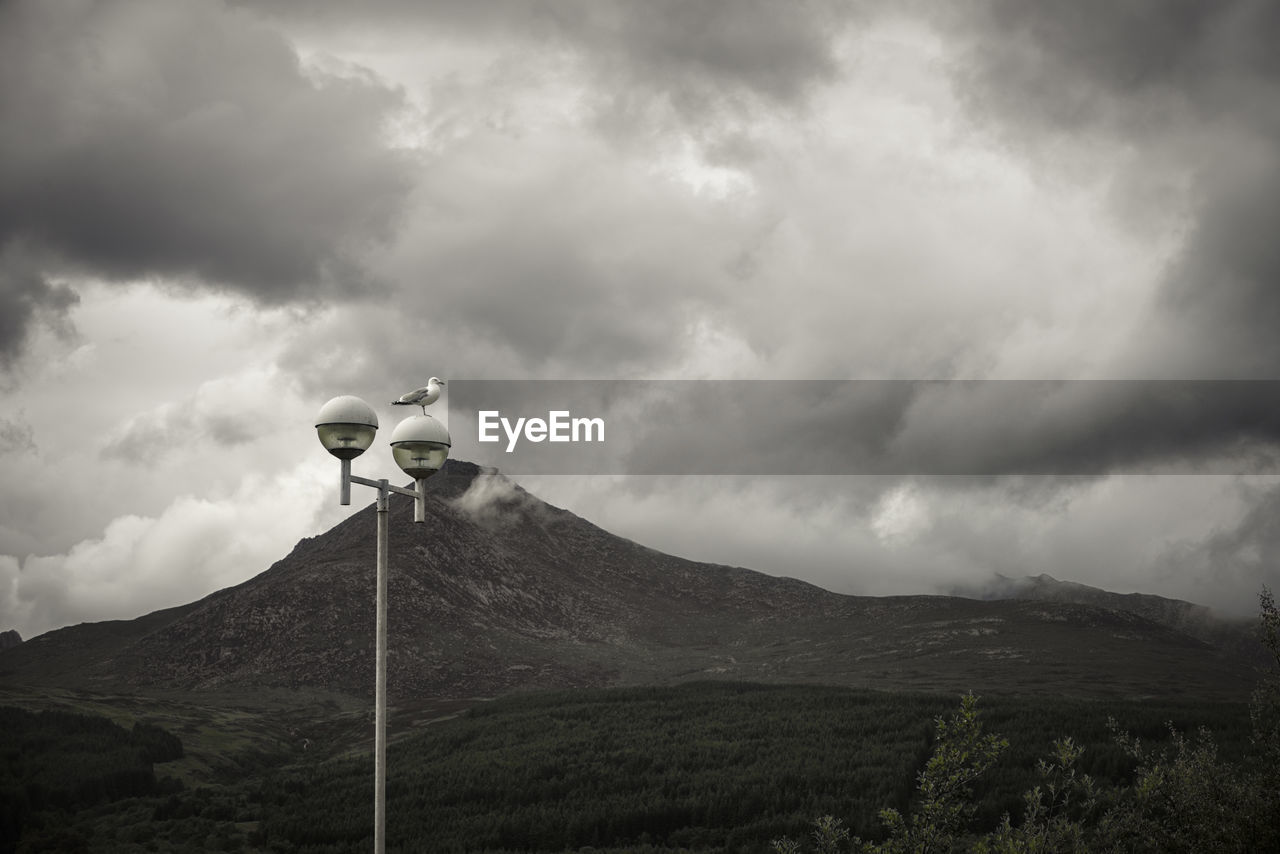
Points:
(213, 217)
(185, 142)
(1192, 90)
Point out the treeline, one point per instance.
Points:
(701, 767)
(1184, 797)
(697, 767)
(54, 764)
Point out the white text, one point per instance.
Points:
(559, 426)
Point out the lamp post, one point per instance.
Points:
(420, 444)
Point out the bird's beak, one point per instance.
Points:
(444, 382)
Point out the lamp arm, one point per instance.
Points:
(377, 484)
(418, 495)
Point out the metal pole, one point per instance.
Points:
(380, 722)
(344, 491)
(420, 501)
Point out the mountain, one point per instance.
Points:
(9, 638)
(499, 591)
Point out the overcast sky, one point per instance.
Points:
(216, 216)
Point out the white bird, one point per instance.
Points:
(423, 397)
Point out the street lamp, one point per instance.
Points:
(420, 444)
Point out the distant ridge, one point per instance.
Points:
(499, 591)
(9, 638)
(1233, 637)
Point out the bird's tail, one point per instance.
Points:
(398, 403)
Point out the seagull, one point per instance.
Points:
(423, 397)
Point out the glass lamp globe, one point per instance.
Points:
(346, 426)
(420, 445)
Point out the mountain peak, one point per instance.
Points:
(455, 477)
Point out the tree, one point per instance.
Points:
(961, 754)
(1053, 822)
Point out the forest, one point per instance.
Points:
(56, 764)
(707, 766)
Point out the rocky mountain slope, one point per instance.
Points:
(499, 591)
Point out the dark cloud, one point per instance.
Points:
(694, 53)
(1254, 542)
(1080, 66)
(1194, 90)
(1080, 61)
(27, 296)
(1230, 566)
(143, 139)
(691, 51)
